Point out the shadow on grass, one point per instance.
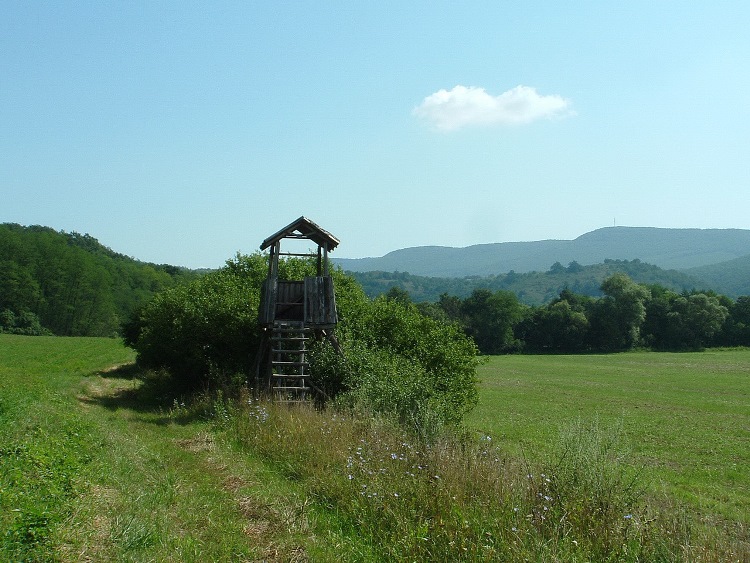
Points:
(122, 371)
(154, 395)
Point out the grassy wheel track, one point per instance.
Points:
(91, 470)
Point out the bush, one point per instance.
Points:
(203, 332)
(401, 363)
(397, 362)
(26, 323)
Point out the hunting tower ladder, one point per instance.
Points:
(291, 314)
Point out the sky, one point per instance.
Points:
(185, 132)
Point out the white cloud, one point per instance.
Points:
(449, 110)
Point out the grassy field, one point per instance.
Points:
(97, 464)
(686, 417)
(94, 469)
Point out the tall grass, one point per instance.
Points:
(461, 497)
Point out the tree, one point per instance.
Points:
(694, 320)
(398, 294)
(616, 318)
(574, 267)
(557, 327)
(490, 318)
(202, 331)
(736, 329)
(656, 325)
(27, 323)
(73, 284)
(556, 268)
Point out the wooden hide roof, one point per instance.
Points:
(305, 229)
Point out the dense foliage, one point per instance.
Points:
(399, 362)
(531, 288)
(69, 284)
(396, 360)
(628, 315)
(202, 330)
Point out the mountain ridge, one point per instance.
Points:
(678, 249)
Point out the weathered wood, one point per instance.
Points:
(267, 308)
(292, 311)
(320, 302)
(303, 228)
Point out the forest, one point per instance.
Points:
(69, 284)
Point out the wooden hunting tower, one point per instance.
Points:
(292, 312)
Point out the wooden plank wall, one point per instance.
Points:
(320, 302)
(312, 301)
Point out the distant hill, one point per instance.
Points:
(730, 278)
(677, 249)
(71, 283)
(532, 288)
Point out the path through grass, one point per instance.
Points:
(93, 470)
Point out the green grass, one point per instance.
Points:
(98, 465)
(685, 416)
(44, 443)
(631, 457)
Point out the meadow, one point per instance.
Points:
(624, 457)
(684, 416)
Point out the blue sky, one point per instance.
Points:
(184, 132)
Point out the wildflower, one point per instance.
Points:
(628, 516)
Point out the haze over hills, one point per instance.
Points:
(678, 249)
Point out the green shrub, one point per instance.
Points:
(203, 331)
(375, 381)
(26, 323)
(401, 363)
(396, 362)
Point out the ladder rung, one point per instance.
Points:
(292, 388)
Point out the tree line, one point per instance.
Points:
(532, 288)
(68, 284)
(628, 315)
